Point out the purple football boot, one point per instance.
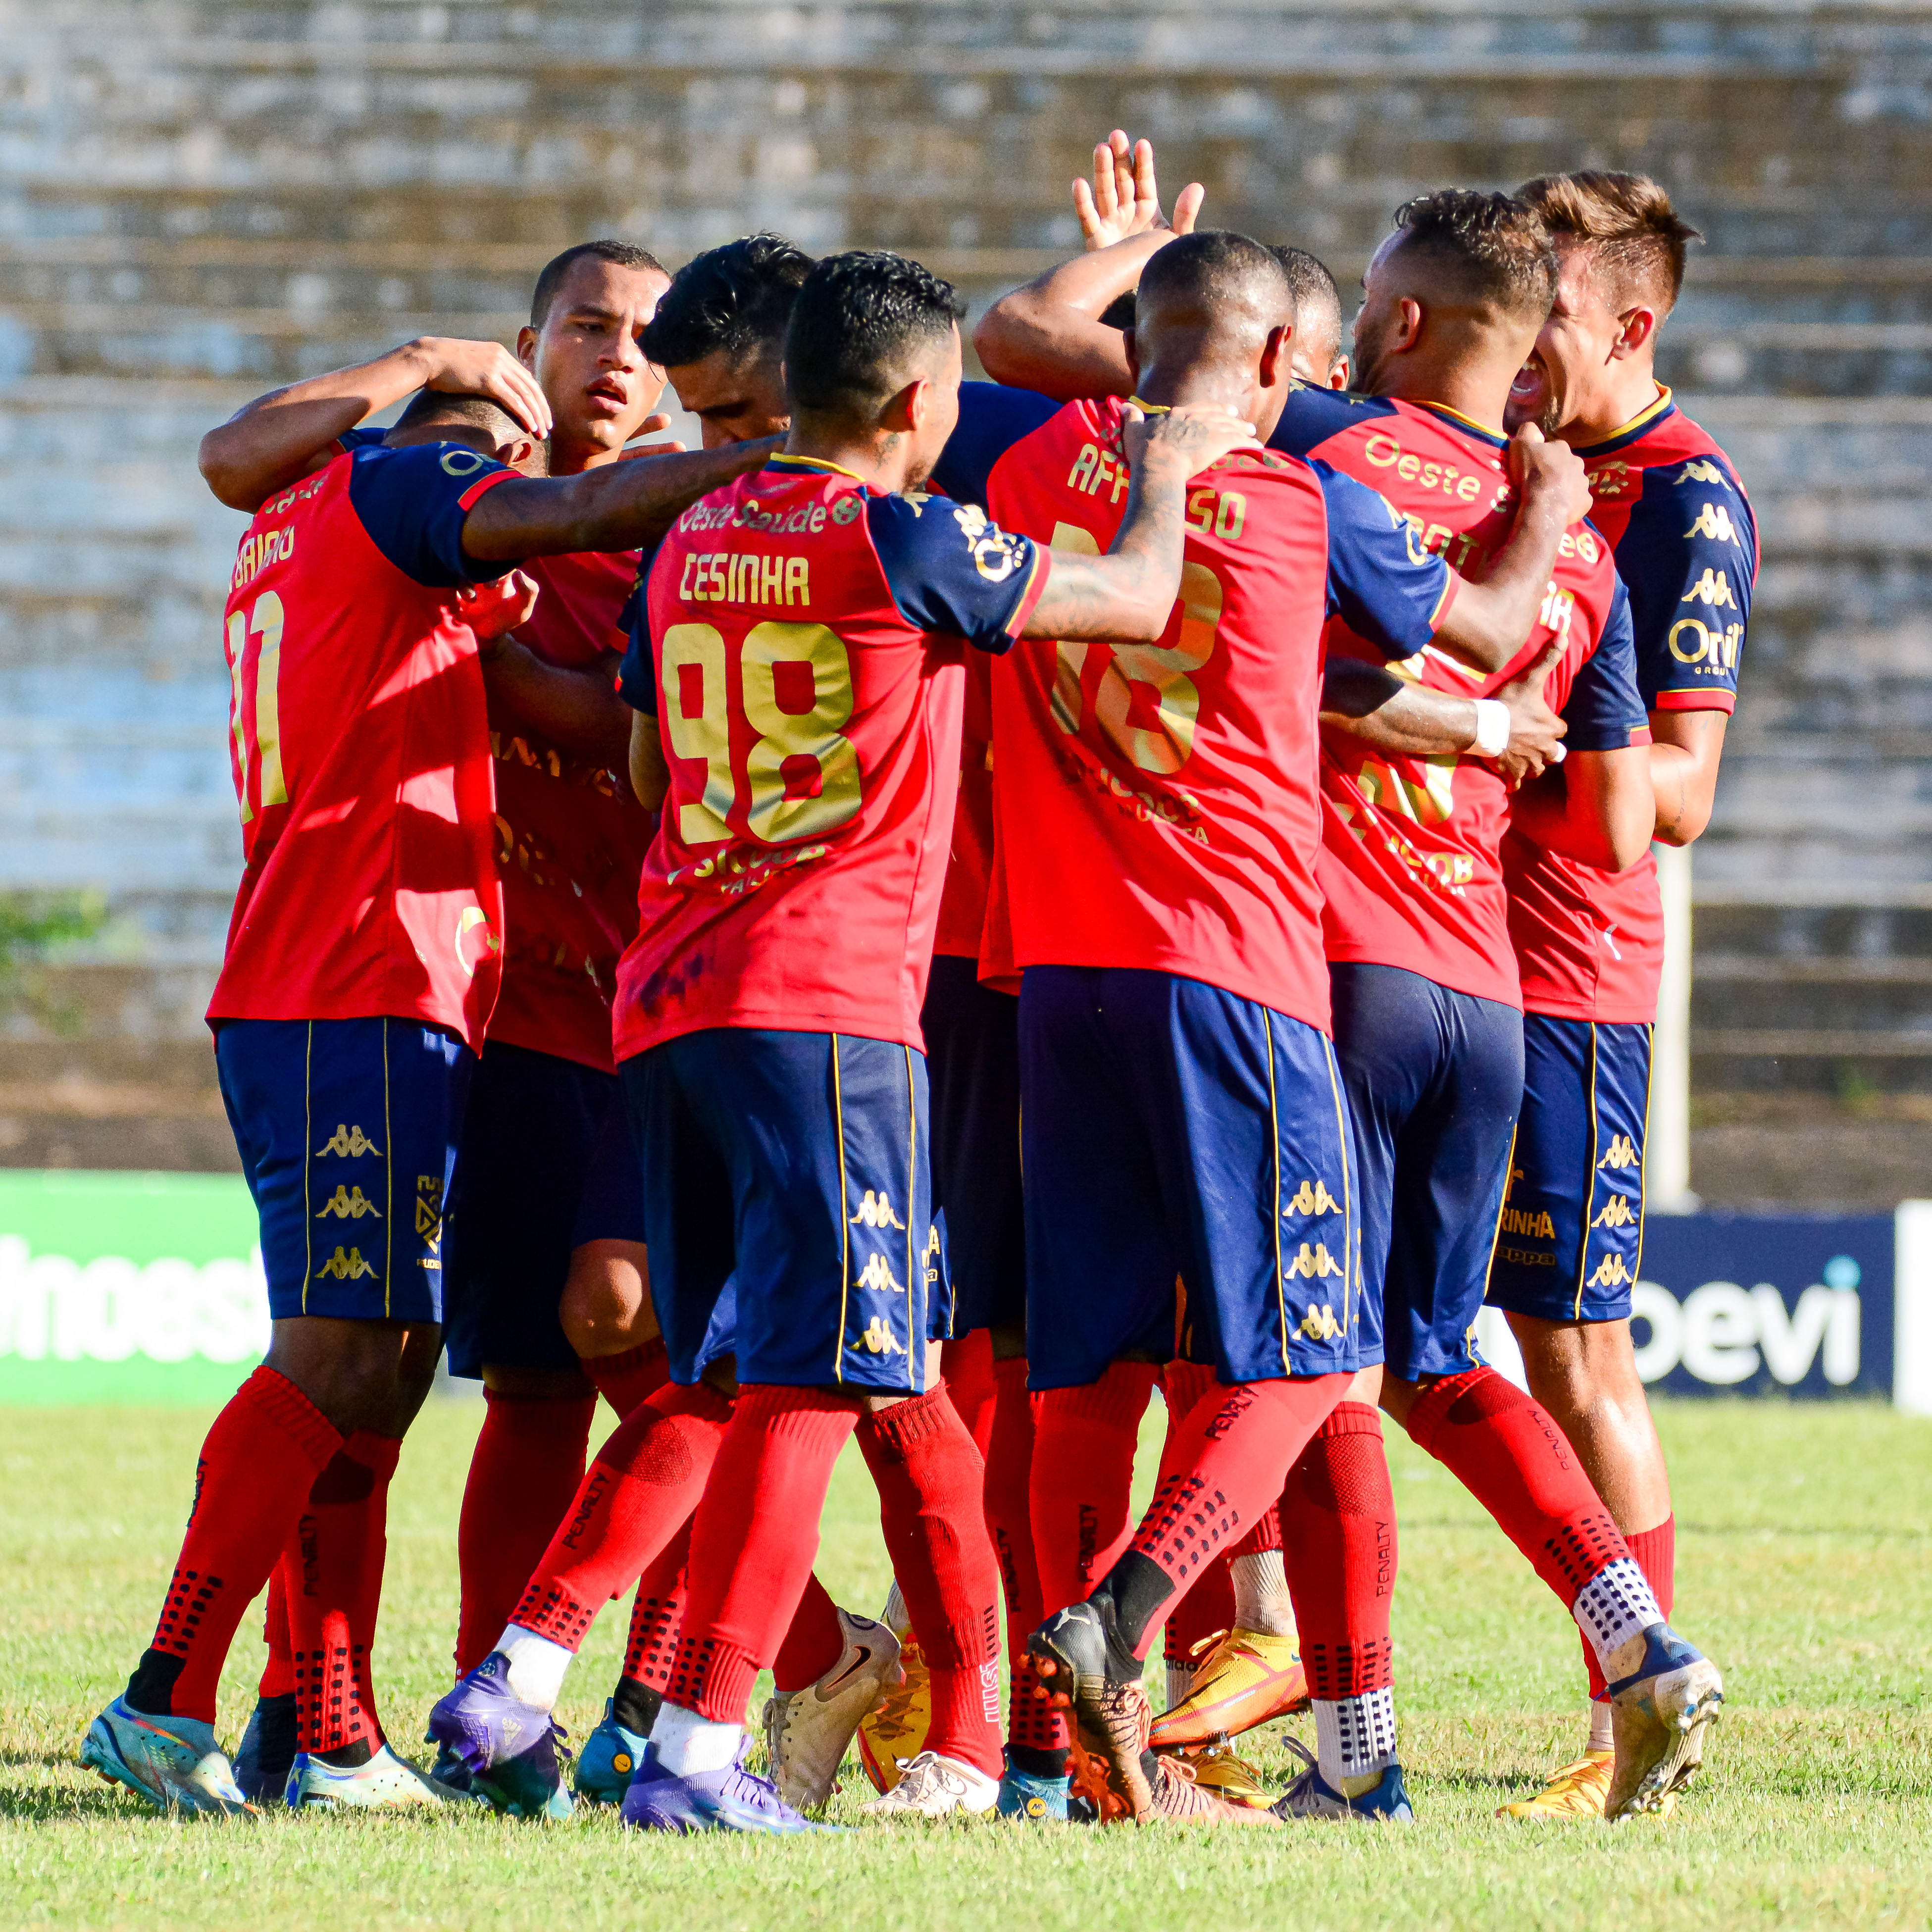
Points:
(731, 1800)
(506, 1748)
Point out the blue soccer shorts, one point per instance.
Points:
(546, 1153)
(973, 1061)
(1176, 1136)
(348, 1132)
(1573, 1218)
(1434, 1078)
(791, 1170)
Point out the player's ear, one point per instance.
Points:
(1275, 355)
(1133, 347)
(910, 407)
(1635, 327)
(526, 347)
(1338, 374)
(1408, 330)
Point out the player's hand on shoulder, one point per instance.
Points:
(1124, 199)
(1536, 732)
(494, 610)
(454, 367)
(1192, 437)
(1536, 462)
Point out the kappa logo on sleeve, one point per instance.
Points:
(996, 554)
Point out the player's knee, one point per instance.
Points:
(606, 1306)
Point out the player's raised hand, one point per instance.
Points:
(494, 610)
(651, 424)
(1124, 199)
(1195, 436)
(456, 367)
(1537, 463)
(1536, 732)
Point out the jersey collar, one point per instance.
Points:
(1643, 422)
(1468, 423)
(784, 460)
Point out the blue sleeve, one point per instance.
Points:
(992, 419)
(1688, 554)
(414, 503)
(1385, 586)
(1604, 707)
(637, 677)
(1311, 416)
(365, 438)
(951, 570)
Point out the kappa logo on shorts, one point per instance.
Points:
(350, 1141)
(876, 1275)
(345, 1266)
(429, 1209)
(875, 1211)
(350, 1203)
(1312, 1197)
(1313, 1264)
(1610, 1273)
(879, 1338)
(1620, 1153)
(1319, 1325)
(1616, 1214)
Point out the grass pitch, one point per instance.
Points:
(1804, 1542)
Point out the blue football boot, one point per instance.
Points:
(508, 1748)
(731, 1800)
(610, 1756)
(175, 1763)
(1311, 1795)
(1032, 1800)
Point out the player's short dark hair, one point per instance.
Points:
(737, 299)
(1217, 265)
(856, 320)
(1637, 240)
(1495, 250)
(1318, 299)
(428, 408)
(619, 254)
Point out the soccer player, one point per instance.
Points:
(362, 963)
(544, 1263)
(806, 632)
(1590, 943)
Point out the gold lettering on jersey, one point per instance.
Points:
(1319, 1325)
(1385, 452)
(351, 1203)
(739, 576)
(876, 1211)
(1219, 513)
(1713, 588)
(342, 1266)
(1095, 469)
(259, 549)
(349, 1140)
(807, 519)
(878, 1338)
(1621, 1153)
(1578, 542)
(1559, 607)
(1312, 1198)
(1617, 1214)
(1451, 872)
(876, 1275)
(1714, 521)
(1713, 651)
(1537, 1226)
(1313, 1263)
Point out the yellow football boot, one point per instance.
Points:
(896, 1729)
(1577, 1791)
(1248, 1678)
(1216, 1768)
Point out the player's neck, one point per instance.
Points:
(1165, 386)
(882, 460)
(1624, 392)
(572, 458)
(1472, 389)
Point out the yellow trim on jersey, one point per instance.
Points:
(844, 1218)
(814, 462)
(1457, 415)
(1274, 1132)
(1643, 1158)
(1642, 416)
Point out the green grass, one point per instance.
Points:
(1805, 1567)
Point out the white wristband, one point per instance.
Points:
(1492, 728)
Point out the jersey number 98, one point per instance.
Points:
(801, 776)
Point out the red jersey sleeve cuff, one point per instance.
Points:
(1711, 697)
(467, 501)
(1042, 569)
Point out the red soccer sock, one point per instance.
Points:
(1222, 1467)
(1209, 1607)
(278, 1674)
(1264, 1536)
(657, 1617)
(1031, 1722)
(334, 1567)
(1654, 1552)
(266, 1448)
(638, 1493)
(931, 1486)
(625, 1380)
(814, 1643)
(1512, 1457)
(967, 1366)
(1082, 1479)
(753, 1541)
(528, 1461)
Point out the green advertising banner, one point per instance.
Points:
(134, 1288)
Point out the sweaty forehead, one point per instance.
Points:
(590, 283)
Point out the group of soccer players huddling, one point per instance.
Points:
(949, 908)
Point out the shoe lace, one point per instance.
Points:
(1302, 1785)
(1206, 1643)
(559, 1740)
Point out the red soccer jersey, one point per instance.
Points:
(1156, 802)
(806, 634)
(571, 837)
(1412, 872)
(361, 751)
(1590, 944)
(962, 904)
